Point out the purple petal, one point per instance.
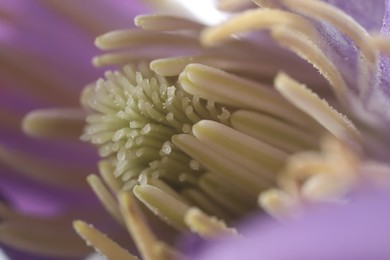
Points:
(359, 231)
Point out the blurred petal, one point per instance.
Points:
(358, 231)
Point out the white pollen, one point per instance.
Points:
(194, 165)
(169, 116)
(167, 148)
(145, 129)
(186, 128)
(139, 153)
(142, 179)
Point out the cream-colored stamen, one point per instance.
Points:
(102, 244)
(309, 51)
(157, 22)
(54, 123)
(106, 170)
(252, 154)
(381, 42)
(278, 204)
(130, 38)
(105, 197)
(343, 22)
(163, 205)
(273, 131)
(256, 20)
(307, 101)
(137, 226)
(213, 84)
(206, 226)
(233, 5)
(219, 164)
(204, 203)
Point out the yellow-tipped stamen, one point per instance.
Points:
(272, 131)
(233, 198)
(218, 164)
(105, 197)
(319, 109)
(102, 244)
(206, 226)
(163, 205)
(266, 3)
(157, 183)
(174, 66)
(367, 65)
(233, 5)
(257, 19)
(128, 38)
(106, 170)
(137, 226)
(310, 52)
(278, 204)
(252, 154)
(343, 22)
(213, 84)
(54, 123)
(164, 251)
(381, 42)
(204, 203)
(165, 23)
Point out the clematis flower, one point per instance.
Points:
(201, 133)
(204, 125)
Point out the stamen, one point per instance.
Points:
(381, 42)
(213, 84)
(250, 153)
(204, 203)
(278, 204)
(273, 131)
(232, 197)
(105, 197)
(174, 66)
(310, 52)
(233, 5)
(163, 205)
(256, 20)
(266, 3)
(343, 22)
(106, 170)
(54, 123)
(102, 244)
(134, 114)
(131, 38)
(206, 226)
(165, 23)
(319, 109)
(218, 164)
(137, 226)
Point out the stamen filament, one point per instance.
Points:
(101, 242)
(206, 226)
(307, 101)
